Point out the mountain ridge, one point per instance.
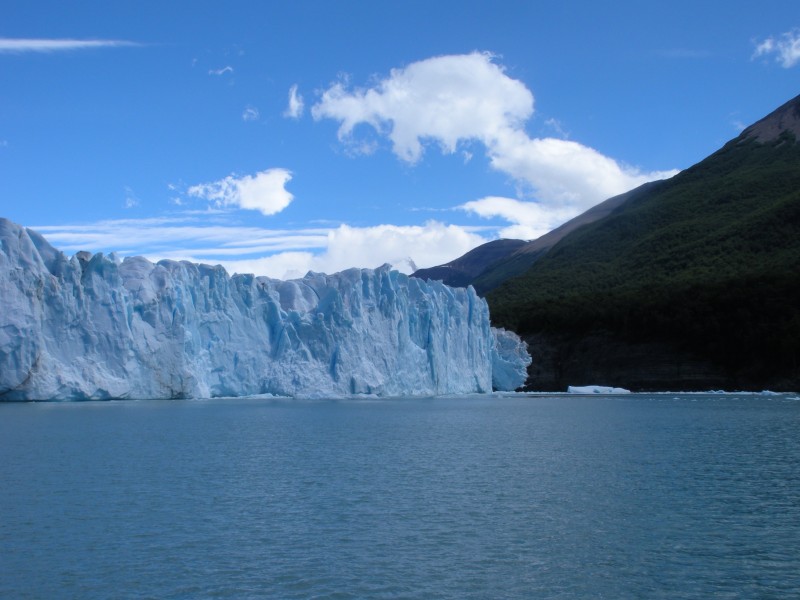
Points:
(701, 269)
(462, 271)
(489, 269)
(784, 119)
(488, 265)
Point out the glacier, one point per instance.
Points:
(97, 327)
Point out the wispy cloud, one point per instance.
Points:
(529, 220)
(131, 200)
(279, 253)
(173, 234)
(453, 101)
(295, 108)
(556, 126)
(222, 71)
(22, 45)
(265, 191)
(250, 113)
(685, 53)
(785, 48)
(406, 248)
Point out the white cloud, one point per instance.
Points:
(278, 253)
(284, 265)
(293, 254)
(131, 200)
(529, 219)
(785, 47)
(295, 108)
(19, 46)
(563, 172)
(447, 99)
(455, 100)
(175, 237)
(250, 113)
(425, 245)
(406, 248)
(222, 71)
(265, 191)
(556, 126)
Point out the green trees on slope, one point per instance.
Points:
(709, 261)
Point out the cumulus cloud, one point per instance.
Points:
(402, 246)
(278, 253)
(785, 48)
(406, 248)
(295, 108)
(21, 45)
(452, 101)
(563, 172)
(447, 99)
(265, 191)
(529, 220)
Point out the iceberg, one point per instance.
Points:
(595, 389)
(97, 327)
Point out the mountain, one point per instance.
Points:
(526, 255)
(492, 263)
(692, 282)
(94, 327)
(784, 120)
(462, 271)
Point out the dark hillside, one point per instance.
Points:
(489, 265)
(700, 275)
(462, 271)
(524, 257)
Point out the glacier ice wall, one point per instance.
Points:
(510, 360)
(95, 327)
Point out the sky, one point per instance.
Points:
(280, 137)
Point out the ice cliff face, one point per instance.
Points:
(95, 327)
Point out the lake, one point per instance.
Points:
(509, 496)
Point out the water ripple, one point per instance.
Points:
(512, 497)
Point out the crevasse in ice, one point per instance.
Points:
(95, 327)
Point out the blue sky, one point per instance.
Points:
(276, 138)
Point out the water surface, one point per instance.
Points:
(665, 496)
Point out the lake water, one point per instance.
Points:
(664, 496)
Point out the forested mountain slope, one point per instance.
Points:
(694, 283)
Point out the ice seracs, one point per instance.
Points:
(95, 327)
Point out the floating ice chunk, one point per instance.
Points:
(596, 389)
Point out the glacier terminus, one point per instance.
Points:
(97, 327)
